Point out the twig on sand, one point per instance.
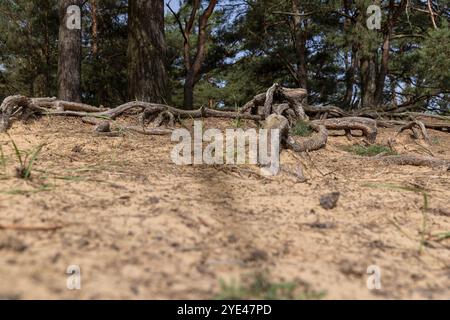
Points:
(18, 227)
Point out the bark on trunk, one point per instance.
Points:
(147, 75)
(352, 65)
(368, 81)
(394, 13)
(69, 59)
(300, 39)
(94, 13)
(350, 77)
(193, 70)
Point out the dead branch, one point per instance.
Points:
(29, 228)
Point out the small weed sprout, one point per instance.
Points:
(260, 287)
(302, 129)
(23, 171)
(369, 151)
(2, 159)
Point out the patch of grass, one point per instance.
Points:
(49, 174)
(23, 171)
(442, 236)
(369, 151)
(435, 141)
(238, 123)
(302, 129)
(260, 287)
(2, 160)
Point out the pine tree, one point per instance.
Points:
(69, 50)
(147, 73)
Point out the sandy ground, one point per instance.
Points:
(141, 227)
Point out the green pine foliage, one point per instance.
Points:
(251, 45)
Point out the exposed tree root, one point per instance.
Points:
(412, 160)
(29, 228)
(279, 108)
(444, 127)
(120, 128)
(16, 107)
(418, 124)
(326, 111)
(278, 100)
(10, 106)
(316, 142)
(367, 126)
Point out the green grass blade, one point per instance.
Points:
(2, 159)
(31, 162)
(17, 151)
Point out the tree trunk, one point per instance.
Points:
(351, 59)
(193, 74)
(94, 12)
(384, 68)
(302, 52)
(350, 77)
(368, 81)
(394, 13)
(188, 93)
(69, 59)
(147, 75)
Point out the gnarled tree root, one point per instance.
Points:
(120, 128)
(316, 142)
(416, 124)
(278, 100)
(366, 125)
(412, 160)
(19, 107)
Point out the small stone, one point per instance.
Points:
(329, 201)
(103, 126)
(257, 255)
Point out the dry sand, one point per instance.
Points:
(141, 227)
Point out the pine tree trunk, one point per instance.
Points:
(350, 77)
(147, 76)
(368, 81)
(302, 52)
(384, 68)
(193, 74)
(69, 59)
(352, 65)
(188, 92)
(94, 12)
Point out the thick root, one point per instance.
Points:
(10, 106)
(278, 100)
(419, 125)
(21, 107)
(316, 142)
(367, 126)
(412, 160)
